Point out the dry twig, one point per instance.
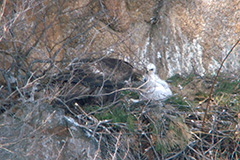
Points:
(215, 81)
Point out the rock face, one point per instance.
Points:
(184, 37)
(196, 36)
(45, 134)
(178, 36)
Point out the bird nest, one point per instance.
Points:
(121, 128)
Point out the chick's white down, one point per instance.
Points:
(155, 88)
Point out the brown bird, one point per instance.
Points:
(94, 81)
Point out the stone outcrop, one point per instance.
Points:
(178, 36)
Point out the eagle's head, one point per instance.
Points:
(151, 68)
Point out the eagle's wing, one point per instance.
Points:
(94, 79)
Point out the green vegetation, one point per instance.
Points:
(172, 134)
(117, 114)
(180, 80)
(228, 86)
(129, 94)
(227, 93)
(179, 103)
(167, 129)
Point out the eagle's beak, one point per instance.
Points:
(149, 71)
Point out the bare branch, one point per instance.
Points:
(215, 81)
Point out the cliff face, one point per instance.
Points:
(183, 36)
(178, 36)
(196, 36)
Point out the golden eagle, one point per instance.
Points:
(94, 81)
